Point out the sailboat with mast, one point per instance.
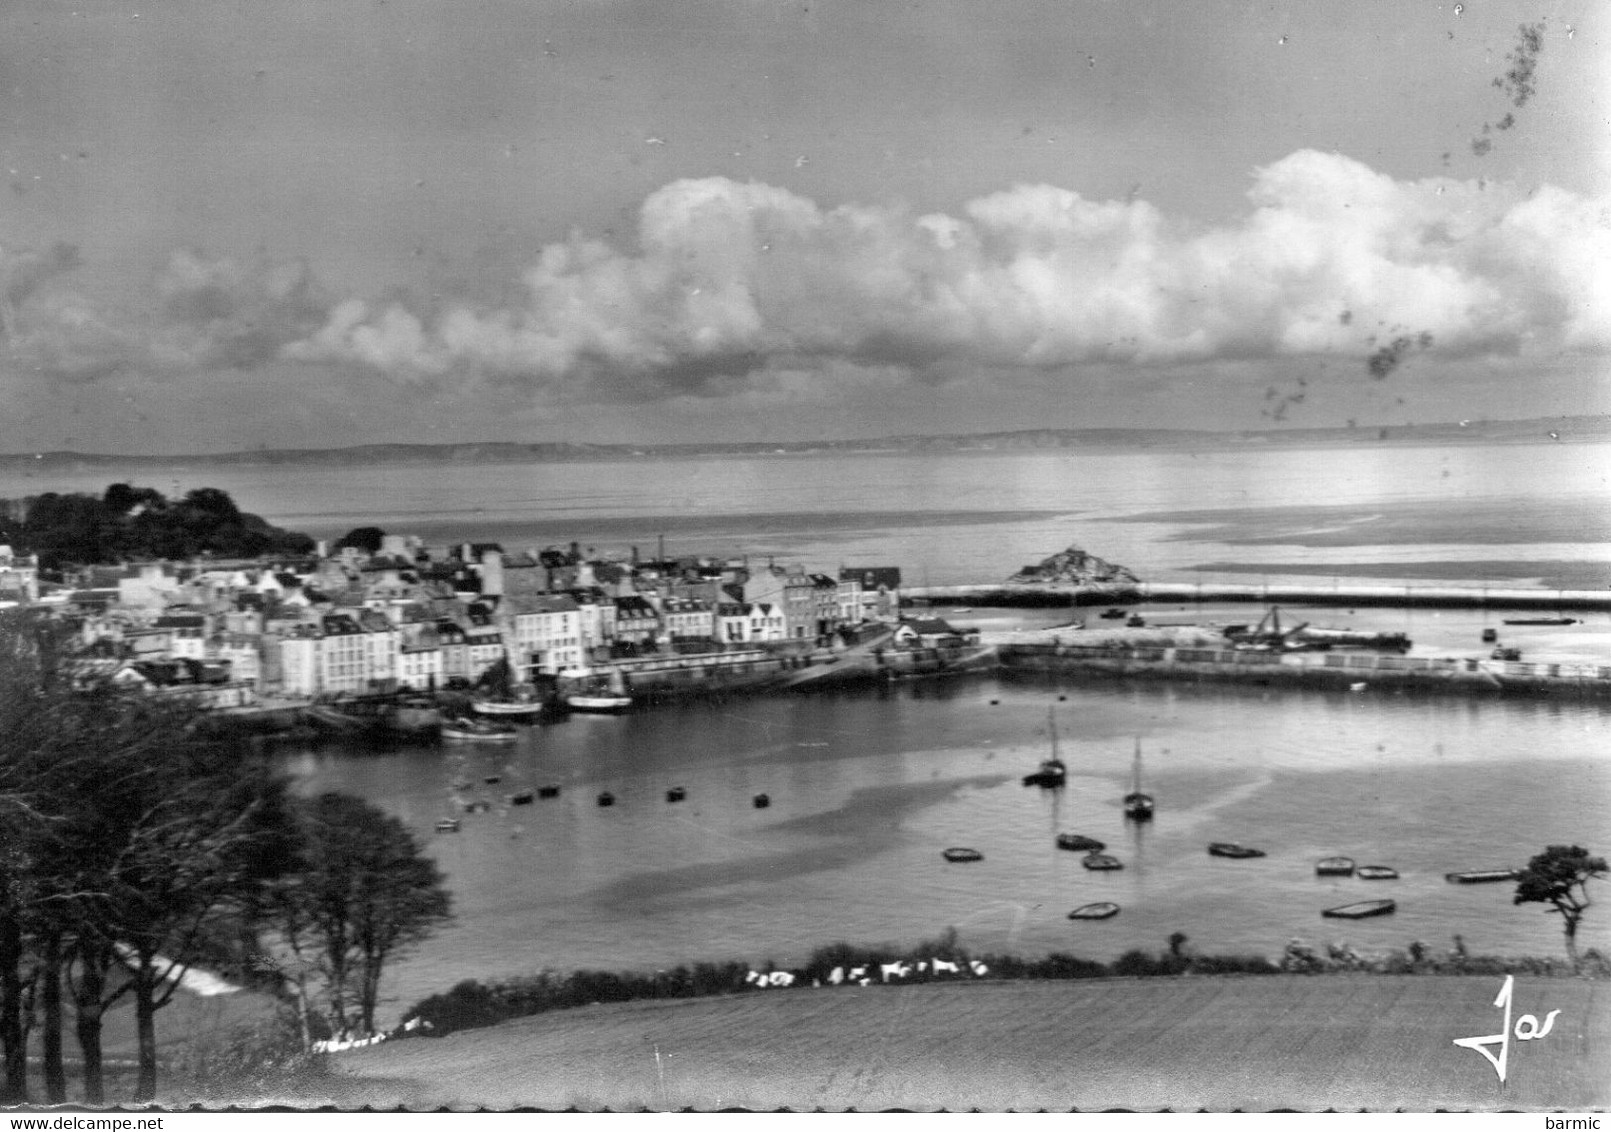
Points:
(1052, 772)
(1137, 804)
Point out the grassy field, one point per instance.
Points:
(1217, 1043)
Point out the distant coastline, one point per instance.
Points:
(1588, 428)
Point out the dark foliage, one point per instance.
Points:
(366, 539)
(1559, 877)
(129, 523)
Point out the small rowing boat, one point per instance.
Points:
(1232, 850)
(1102, 863)
(1102, 910)
(1482, 876)
(1376, 872)
(960, 854)
(1334, 867)
(1360, 911)
(1079, 843)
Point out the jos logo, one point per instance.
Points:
(1526, 1030)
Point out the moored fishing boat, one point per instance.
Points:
(1334, 867)
(1101, 910)
(1101, 863)
(1233, 850)
(1376, 872)
(1052, 772)
(1138, 805)
(597, 701)
(1362, 910)
(595, 690)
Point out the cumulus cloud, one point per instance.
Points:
(1332, 258)
(746, 290)
(215, 312)
(198, 313)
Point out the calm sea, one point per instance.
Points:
(868, 787)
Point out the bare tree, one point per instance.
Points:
(125, 829)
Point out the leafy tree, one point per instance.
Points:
(366, 539)
(138, 522)
(1559, 876)
(122, 498)
(362, 894)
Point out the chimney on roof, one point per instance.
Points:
(634, 556)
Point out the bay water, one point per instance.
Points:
(868, 786)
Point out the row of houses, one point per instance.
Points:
(408, 617)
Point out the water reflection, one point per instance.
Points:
(868, 787)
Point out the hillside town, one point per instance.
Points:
(345, 621)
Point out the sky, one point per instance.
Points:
(228, 225)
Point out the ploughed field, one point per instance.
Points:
(1254, 1043)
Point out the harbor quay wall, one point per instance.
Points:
(669, 676)
(1058, 594)
(1312, 669)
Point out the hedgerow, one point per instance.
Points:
(472, 1004)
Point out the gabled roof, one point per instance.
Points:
(930, 626)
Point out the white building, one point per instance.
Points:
(19, 576)
(543, 633)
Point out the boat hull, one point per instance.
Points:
(1233, 851)
(1362, 910)
(1334, 867)
(1103, 910)
(507, 708)
(1079, 843)
(598, 704)
(959, 855)
(1482, 876)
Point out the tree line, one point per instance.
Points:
(136, 844)
(128, 523)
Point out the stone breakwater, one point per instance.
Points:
(1030, 595)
